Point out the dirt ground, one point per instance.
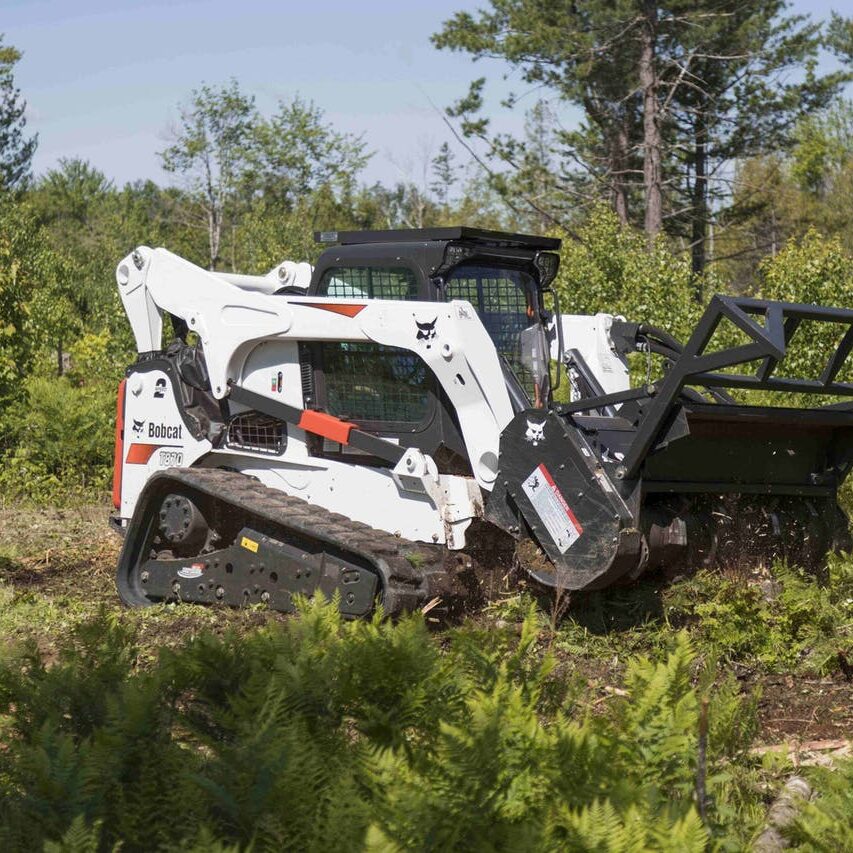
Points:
(57, 565)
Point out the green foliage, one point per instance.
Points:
(61, 438)
(611, 270)
(669, 92)
(825, 823)
(816, 270)
(319, 734)
(808, 626)
(232, 158)
(29, 269)
(16, 150)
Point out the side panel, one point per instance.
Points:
(590, 336)
(156, 435)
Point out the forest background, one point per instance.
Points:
(714, 153)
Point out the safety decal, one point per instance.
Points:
(552, 509)
(249, 544)
(189, 572)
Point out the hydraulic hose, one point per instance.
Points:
(663, 337)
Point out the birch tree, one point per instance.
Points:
(210, 150)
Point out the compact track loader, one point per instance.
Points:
(377, 425)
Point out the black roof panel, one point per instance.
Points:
(456, 232)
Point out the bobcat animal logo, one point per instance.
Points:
(535, 432)
(534, 483)
(426, 331)
(138, 426)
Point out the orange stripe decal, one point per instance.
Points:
(326, 425)
(347, 309)
(139, 454)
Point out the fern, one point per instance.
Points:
(599, 828)
(826, 823)
(315, 734)
(79, 838)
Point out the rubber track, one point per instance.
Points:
(407, 584)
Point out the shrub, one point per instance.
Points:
(611, 270)
(807, 627)
(816, 270)
(61, 438)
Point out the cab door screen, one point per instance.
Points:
(502, 298)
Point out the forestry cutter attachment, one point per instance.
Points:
(377, 425)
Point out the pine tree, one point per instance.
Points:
(671, 91)
(16, 149)
(444, 172)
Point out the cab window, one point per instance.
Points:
(373, 384)
(367, 382)
(369, 283)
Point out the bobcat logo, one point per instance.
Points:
(138, 426)
(426, 331)
(534, 483)
(535, 433)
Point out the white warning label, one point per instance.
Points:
(551, 507)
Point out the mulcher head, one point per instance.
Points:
(664, 476)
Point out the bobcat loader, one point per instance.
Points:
(377, 425)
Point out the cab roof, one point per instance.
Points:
(478, 236)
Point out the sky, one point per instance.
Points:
(103, 79)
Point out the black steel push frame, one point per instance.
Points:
(769, 343)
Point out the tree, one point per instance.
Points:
(840, 36)
(669, 90)
(69, 201)
(32, 299)
(742, 97)
(232, 158)
(72, 192)
(16, 149)
(779, 197)
(444, 173)
(211, 151)
(295, 152)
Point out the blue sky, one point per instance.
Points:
(103, 78)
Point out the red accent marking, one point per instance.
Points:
(348, 310)
(118, 451)
(559, 495)
(321, 423)
(139, 454)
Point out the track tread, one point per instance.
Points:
(407, 584)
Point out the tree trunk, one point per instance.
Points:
(214, 229)
(619, 165)
(699, 227)
(652, 143)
